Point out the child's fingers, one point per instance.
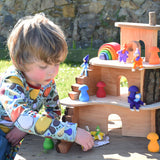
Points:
(88, 146)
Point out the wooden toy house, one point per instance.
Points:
(97, 110)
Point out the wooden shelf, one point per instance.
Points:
(97, 110)
(112, 100)
(115, 64)
(137, 25)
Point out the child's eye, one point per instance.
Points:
(56, 64)
(43, 67)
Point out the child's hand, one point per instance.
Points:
(84, 138)
(15, 136)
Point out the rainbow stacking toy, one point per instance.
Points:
(108, 51)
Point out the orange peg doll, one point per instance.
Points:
(137, 61)
(154, 58)
(153, 145)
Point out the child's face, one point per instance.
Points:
(40, 73)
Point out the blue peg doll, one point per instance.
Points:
(83, 97)
(85, 65)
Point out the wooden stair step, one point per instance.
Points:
(81, 80)
(67, 118)
(75, 87)
(89, 72)
(73, 95)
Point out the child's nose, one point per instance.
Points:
(50, 72)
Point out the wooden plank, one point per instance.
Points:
(142, 72)
(116, 64)
(137, 25)
(153, 121)
(111, 76)
(75, 116)
(98, 115)
(108, 100)
(149, 37)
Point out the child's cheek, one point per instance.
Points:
(39, 75)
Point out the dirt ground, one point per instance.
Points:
(119, 148)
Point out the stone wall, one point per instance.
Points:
(86, 23)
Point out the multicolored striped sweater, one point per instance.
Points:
(20, 104)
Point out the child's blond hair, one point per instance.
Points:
(36, 38)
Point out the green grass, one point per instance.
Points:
(77, 55)
(3, 53)
(67, 72)
(4, 65)
(64, 79)
(123, 82)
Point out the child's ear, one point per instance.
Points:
(14, 62)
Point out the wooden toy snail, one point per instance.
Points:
(153, 145)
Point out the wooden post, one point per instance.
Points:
(142, 84)
(152, 18)
(153, 121)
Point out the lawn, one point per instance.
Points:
(66, 76)
(4, 65)
(64, 79)
(67, 72)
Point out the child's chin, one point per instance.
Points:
(45, 83)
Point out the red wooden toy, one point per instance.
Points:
(101, 91)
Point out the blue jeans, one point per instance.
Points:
(4, 146)
(7, 152)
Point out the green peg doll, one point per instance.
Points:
(48, 144)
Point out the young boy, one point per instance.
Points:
(36, 46)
